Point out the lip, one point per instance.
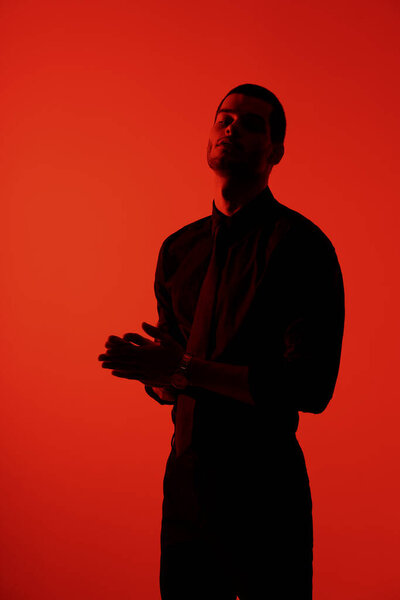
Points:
(226, 142)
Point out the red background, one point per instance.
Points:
(105, 109)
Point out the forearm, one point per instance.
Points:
(229, 380)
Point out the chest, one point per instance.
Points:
(245, 292)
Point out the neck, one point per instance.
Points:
(232, 193)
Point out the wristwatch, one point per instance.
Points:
(180, 377)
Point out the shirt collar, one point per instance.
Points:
(248, 215)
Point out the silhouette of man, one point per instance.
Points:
(251, 312)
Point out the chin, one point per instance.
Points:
(222, 163)
(225, 166)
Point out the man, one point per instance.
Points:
(251, 314)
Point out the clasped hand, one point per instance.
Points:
(137, 357)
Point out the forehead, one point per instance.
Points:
(247, 104)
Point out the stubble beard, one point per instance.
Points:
(229, 166)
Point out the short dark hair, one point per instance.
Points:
(277, 119)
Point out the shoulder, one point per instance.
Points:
(294, 229)
(176, 245)
(303, 258)
(186, 233)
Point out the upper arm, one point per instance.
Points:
(313, 330)
(166, 317)
(298, 368)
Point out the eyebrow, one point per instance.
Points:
(228, 110)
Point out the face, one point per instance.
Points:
(240, 139)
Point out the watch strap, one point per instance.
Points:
(183, 367)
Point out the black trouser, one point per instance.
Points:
(224, 535)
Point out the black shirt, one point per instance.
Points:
(279, 310)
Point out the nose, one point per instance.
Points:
(231, 129)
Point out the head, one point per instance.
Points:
(248, 133)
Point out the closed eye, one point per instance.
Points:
(253, 123)
(224, 121)
(250, 121)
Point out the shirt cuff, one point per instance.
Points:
(166, 398)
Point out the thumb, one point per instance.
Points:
(155, 332)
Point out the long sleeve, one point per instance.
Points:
(166, 322)
(299, 370)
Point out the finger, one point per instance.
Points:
(136, 338)
(127, 372)
(124, 374)
(155, 332)
(112, 365)
(125, 351)
(120, 364)
(159, 334)
(127, 360)
(114, 340)
(151, 382)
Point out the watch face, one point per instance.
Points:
(179, 380)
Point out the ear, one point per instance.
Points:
(277, 153)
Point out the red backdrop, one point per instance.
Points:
(105, 110)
